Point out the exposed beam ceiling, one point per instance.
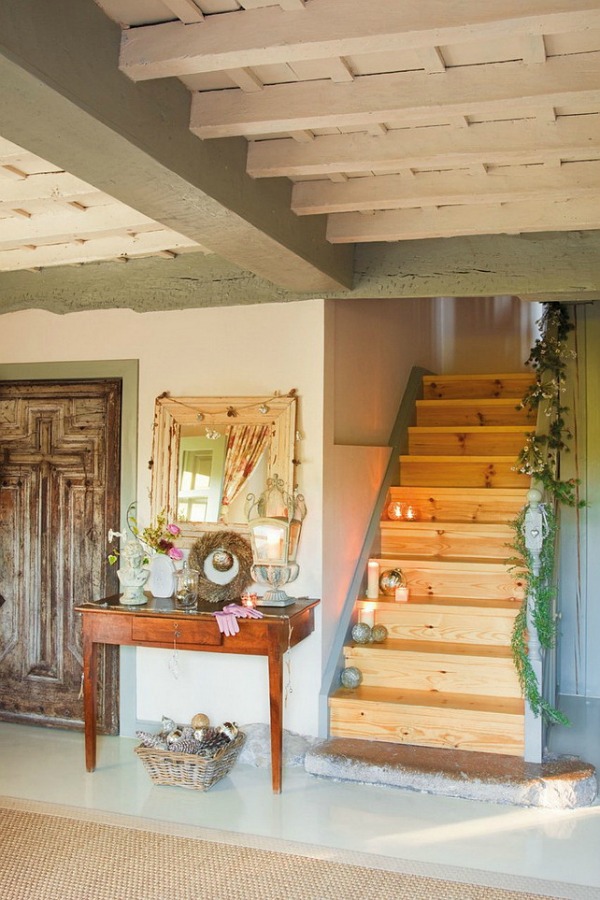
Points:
(280, 135)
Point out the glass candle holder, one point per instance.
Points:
(186, 587)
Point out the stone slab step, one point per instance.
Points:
(556, 783)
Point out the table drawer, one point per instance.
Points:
(169, 631)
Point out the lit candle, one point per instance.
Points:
(411, 513)
(249, 600)
(366, 615)
(274, 545)
(373, 579)
(401, 594)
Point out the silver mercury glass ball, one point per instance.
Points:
(361, 633)
(351, 677)
(379, 633)
(390, 580)
(222, 560)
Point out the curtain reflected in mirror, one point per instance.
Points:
(217, 468)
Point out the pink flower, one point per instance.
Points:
(174, 529)
(175, 553)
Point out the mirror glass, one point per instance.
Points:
(209, 453)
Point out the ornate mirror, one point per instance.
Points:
(210, 452)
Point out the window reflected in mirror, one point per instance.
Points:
(209, 453)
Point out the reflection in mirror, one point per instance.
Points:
(214, 469)
(210, 452)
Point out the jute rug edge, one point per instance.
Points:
(524, 884)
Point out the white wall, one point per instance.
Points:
(235, 350)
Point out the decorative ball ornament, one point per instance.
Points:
(200, 721)
(391, 579)
(395, 511)
(379, 633)
(351, 677)
(222, 560)
(361, 633)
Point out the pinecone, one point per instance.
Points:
(183, 745)
(210, 741)
(152, 740)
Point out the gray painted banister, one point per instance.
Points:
(398, 443)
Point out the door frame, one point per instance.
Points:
(128, 371)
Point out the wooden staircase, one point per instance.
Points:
(444, 677)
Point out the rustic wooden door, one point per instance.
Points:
(59, 495)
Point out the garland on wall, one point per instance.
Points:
(540, 458)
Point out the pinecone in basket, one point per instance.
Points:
(212, 739)
(152, 740)
(186, 745)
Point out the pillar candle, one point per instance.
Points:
(373, 579)
(401, 594)
(366, 616)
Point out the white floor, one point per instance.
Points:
(560, 846)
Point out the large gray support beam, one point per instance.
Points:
(536, 267)
(63, 98)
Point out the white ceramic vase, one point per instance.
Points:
(162, 576)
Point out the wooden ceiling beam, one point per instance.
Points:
(506, 185)
(452, 221)
(64, 99)
(495, 91)
(516, 142)
(330, 28)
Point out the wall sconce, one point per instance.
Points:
(275, 520)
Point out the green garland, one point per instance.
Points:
(549, 357)
(540, 588)
(540, 458)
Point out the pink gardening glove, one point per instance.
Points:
(227, 622)
(242, 612)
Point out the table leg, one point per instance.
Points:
(276, 712)
(90, 666)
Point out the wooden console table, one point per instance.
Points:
(160, 624)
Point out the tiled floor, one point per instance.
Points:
(47, 765)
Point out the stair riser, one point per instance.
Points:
(454, 413)
(448, 387)
(433, 672)
(432, 579)
(460, 472)
(441, 542)
(449, 729)
(419, 623)
(457, 505)
(466, 443)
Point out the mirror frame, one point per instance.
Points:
(172, 413)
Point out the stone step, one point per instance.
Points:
(565, 783)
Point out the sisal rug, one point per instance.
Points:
(50, 852)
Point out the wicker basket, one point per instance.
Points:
(187, 769)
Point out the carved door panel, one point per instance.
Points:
(59, 495)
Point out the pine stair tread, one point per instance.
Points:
(466, 564)
(440, 648)
(441, 526)
(506, 384)
(512, 706)
(445, 603)
(470, 429)
(455, 460)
